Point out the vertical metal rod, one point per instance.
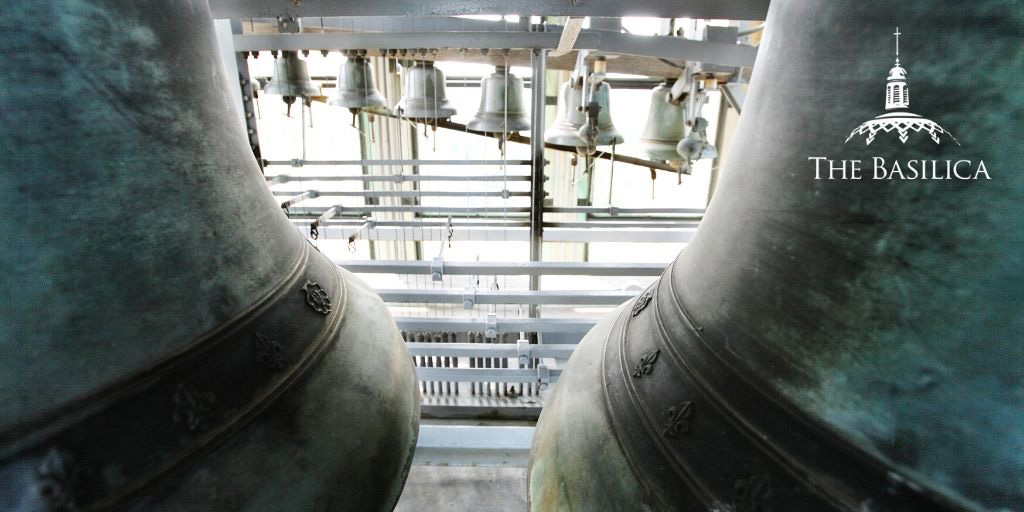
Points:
(472, 363)
(720, 134)
(248, 100)
(539, 67)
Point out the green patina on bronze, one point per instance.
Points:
(170, 341)
(874, 322)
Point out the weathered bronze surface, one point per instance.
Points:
(171, 342)
(819, 345)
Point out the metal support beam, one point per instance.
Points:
(396, 178)
(708, 9)
(440, 210)
(519, 139)
(606, 42)
(401, 40)
(332, 231)
(465, 445)
(408, 193)
(538, 268)
(561, 297)
(614, 211)
(537, 107)
(407, 161)
(486, 374)
(541, 325)
(510, 350)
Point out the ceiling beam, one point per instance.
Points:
(707, 9)
(604, 41)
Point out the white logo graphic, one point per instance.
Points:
(898, 117)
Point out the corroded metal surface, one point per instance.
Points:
(825, 344)
(172, 343)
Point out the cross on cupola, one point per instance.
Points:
(897, 94)
(897, 34)
(898, 119)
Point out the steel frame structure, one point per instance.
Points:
(539, 362)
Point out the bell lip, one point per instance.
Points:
(660, 150)
(607, 139)
(564, 135)
(290, 89)
(373, 100)
(493, 123)
(442, 110)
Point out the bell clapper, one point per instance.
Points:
(654, 177)
(288, 100)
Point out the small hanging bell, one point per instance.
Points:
(666, 125)
(501, 101)
(291, 80)
(424, 96)
(356, 90)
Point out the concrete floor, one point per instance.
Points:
(464, 489)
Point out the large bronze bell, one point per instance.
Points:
(291, 79)
(424, 93)
(501, 102)
(843, 344)
(170, 340)
(356, 90)
(666, 124)
(571, 118)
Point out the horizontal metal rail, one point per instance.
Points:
(539, 325)
(483, 374)
(418, 232)
(297, 212)
(416, 162)
(707, 9)
(417, 224)
(655, 223)
(510, 350)
(473, 445)
(521, 139)
(396, 178)
(726, 54)
(531, 268)
(366, 40)
(407, 193)
(576, 297)
(614, 210)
